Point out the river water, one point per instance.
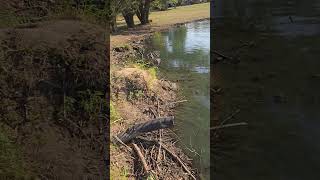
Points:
(185, 54)
(274, 80)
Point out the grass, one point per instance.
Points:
(152, 71)
(180, 14)
(114, 115)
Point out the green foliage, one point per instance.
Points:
(152, 71)
(114, 115)
(162, 4)
(92, 103)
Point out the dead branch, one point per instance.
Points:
(230, 117)
(177, 159)
(140, 155)
(221, 55)
(229, 125)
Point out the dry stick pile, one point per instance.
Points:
(157, 157)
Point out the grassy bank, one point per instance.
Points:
(162, 20)
(175, 15)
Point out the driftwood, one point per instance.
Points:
(152, 125)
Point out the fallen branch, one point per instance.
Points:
(152, 125)
(177, 159)
(229, 125)
(140, 155)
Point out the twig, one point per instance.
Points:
(175, 157)
(158, 157)
(229, 125)
(219, 54)
(179, 101)
(227, 119)
(119, 140)
(230, 117)
(143, 160)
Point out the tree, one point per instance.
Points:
(143, 11)
(129, 10)
(115, 9)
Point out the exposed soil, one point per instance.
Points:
(53, 146)
(139, 97)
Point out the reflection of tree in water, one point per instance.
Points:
(177, 40)
(175, 49)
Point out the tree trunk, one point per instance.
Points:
(143, 11)
(128, 17)
(113, 24)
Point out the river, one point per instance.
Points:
(274, 80)
(185, 54)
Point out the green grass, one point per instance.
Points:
(114, 115)
(180, 14)
(152, 71)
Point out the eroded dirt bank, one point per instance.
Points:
(138, 95)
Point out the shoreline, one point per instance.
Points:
(114, 42)
(126, 45)
(140, 41)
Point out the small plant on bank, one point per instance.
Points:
(114, 115)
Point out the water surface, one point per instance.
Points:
(275, 83)
(186, 60)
